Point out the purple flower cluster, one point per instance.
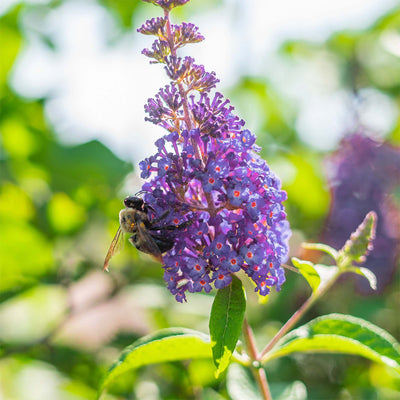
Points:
(363, 176)
(207, 171)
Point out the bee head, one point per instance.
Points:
(133, 202)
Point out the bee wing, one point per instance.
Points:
(115, 246)
(147, 243)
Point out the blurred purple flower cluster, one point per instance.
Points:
(207, 171)
(364, 175)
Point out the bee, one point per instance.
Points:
(146, 233)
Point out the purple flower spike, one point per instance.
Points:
(206, 179)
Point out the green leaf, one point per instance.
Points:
(240, 385)
(209, 394)
(165, 345)
(308, 271)
(11, 40)
(338, 333)
(20, 270)
(360, 242)
(290, 391)
(317, 275)
(308, 179)
(226, 320)
(82, 157)
(326, 273)
(321, 247)
(367, 273)
(123, 10)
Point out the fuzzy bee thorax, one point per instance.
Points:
(127, 220)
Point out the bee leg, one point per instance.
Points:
(160, 218)
(147, 207)
(172, 227)
(134, 240)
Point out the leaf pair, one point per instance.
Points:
(354, 250)
(334, 333)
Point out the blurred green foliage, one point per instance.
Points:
(63, 322)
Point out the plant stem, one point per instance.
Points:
(298, 315)
(289, 324)
(258, 371)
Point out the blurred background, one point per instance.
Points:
(319, 83)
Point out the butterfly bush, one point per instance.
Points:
(220, 194)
